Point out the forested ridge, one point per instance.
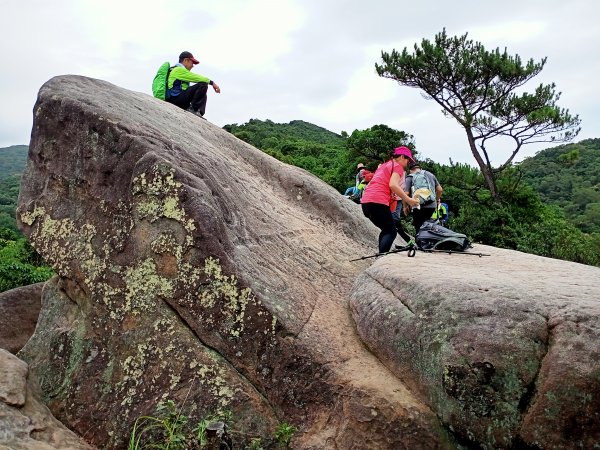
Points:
(320, 151)
(569, 176)
(550, 207)
(20, 264)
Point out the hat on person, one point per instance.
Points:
(403, 151)
(414, 164)
(188, 55)
(360, 165)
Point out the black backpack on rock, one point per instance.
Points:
(432, 236)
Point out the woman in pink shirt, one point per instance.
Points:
(376, 199)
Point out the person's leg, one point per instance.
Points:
(199, 97)
(397, 216)
(420, 216)
(182, 100)
(381, 217)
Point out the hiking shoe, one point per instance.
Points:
(196, 113)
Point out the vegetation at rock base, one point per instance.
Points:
(284, 434)
(478, 88)
(171, 429)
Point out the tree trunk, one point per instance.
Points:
(486, 171)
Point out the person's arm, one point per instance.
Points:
(396, 187)
(181, 73)
(438, 193)
(408, 183)
(438, 188)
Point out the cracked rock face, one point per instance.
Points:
(193, 267)
(25, 423)
(505, 349)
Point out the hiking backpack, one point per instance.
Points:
(160, 83)
(440, 215)
(420, 181)
(432, 236)
(368, 176)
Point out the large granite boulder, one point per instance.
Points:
(505, 349)
(19, 311)
(194, 267)
(25, 422)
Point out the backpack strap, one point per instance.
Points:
(167, 94)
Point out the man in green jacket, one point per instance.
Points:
(180, 93)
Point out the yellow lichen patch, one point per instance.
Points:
(143, 285)
(61, 241)
(224, 290)
(160, 197)
(163, 243)
(30, 217)
(213, 380)
(164, 326)
(149, 209)
(172, 210)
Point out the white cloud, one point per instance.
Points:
(507, 33)
(364, 90)
(252, 36)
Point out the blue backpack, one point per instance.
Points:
(440, 215)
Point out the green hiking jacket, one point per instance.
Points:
(180, 78)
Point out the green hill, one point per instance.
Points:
(12, 163)
(20, 264)
(320, 151)
(569, 176)
(269, 134)
(12, 160)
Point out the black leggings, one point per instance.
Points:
(381, 216)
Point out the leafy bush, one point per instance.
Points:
(20, 264)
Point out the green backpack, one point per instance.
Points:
(159, 84)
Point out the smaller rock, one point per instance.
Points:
(13, 379)
(19, 311)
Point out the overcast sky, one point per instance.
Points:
(286, 60)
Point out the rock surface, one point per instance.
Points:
(192, 266)
(505, 349)
(25, 423)
(19, 311)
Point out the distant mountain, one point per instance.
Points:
(320, 151)
(569, 176)
(12, 160)
(265, 133)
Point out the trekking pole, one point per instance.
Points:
(409, 248)
(451, 252)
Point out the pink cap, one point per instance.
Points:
(403, 151)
